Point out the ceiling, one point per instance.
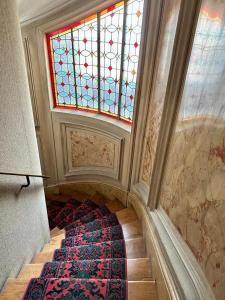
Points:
(30, 10)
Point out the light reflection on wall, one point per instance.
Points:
(204, 88)
(193, 186)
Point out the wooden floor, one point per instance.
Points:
(141, 286)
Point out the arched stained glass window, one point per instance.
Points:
(93, 63)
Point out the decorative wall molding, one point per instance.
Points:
(150, 37)
(142, 190)
(40, 107)
(189, 279)
(165, 45)
(30, 73)
(90, 151)
(181, 53)
(110, 142)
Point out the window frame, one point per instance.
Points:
(52, 86)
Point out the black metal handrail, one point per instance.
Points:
(24, 175)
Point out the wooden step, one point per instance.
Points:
(135, 248)
(137, 290)
(56, 243)
(130, 230)
(114, 205)
(137, 269)
(142, 290)
(125, 216)
(54, 232)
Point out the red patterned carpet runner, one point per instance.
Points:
(72, 289)
(101, 269)
(106, 234)
(96, 214)
(107, 221)
(53, 208)
(91, 263)
(70, 214)
(110, 249)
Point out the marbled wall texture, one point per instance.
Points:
(91, 149)
(193, 188)
(168, 29)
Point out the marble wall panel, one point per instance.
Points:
(193, 187)
(167, 34)
(89, 150)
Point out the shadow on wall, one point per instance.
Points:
(193, 188)
(13, 185)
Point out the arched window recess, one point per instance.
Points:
(94, 62)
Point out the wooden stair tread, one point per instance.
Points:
(54, 232)
(125, 216)
(114, 205)
(134, 249)
(142, 290)
(130, 230)
(137, 290)
(137, 269)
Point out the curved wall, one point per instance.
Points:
(193, 189)
(23, 217)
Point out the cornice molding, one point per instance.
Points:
(65, 11)
(24, 20)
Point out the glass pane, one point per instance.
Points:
(111, 28)
(73, 55)
(132, 47)
(85, 52)
(62, 67)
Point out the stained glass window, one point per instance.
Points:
(94, 62)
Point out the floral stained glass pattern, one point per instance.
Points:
(62, 69)
(94, 62)
(111, 28)
(131, 56)
(86, 70)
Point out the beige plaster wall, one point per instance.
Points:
(23, 217)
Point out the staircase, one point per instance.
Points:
(89, 235)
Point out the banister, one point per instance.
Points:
(24, 175)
